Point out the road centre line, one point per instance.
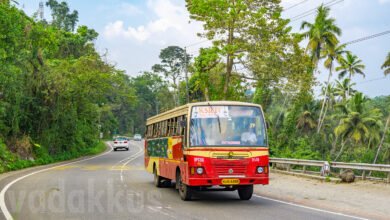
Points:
(135, 156)
(122, 160)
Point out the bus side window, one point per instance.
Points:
(177, 126)
(169, 127)
(155, 130)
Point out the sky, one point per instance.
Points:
(132, 32)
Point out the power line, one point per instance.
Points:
(308, 12)
(312, 11)
(293, 6)
(197, 43)
(368, 37)
(371, 80)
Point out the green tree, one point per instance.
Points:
(342, 89)
(306, 121)
(226, 23)
(207, 60)
(331, 54)
(174, 59)
(321, 34)
(351, 65)
(359, 123)
(386, 64)
(62, 17)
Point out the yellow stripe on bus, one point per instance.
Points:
(208, 153)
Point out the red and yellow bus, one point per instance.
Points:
(208, 145)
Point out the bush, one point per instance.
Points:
(10, 161)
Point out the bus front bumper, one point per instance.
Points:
(228, 181)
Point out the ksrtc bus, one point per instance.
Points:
(208, 145)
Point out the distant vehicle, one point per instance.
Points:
(205, 145)
(121, 143)
(137, 137)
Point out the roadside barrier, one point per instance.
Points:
(325, 167)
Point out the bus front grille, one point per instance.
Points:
(236, 169)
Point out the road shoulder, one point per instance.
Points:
(362, 198)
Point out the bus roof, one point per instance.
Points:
(183, 110)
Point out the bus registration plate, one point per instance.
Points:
(230, 181)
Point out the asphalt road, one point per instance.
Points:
(116, 186)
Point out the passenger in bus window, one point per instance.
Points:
(249, 137)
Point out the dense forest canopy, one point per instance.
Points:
(57, 93)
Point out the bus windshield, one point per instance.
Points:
(227, 126)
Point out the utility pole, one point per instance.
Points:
(41, 11)
(186, 74)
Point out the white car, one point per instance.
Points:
(121, 143)
(137, 137)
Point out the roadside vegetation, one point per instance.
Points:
(57, 93)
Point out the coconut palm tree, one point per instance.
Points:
(359, 124)
(329, 100)
(331, 54)
(341, 89)
(351, 65)
(385, 130)
(322, 33)
(386, 64)
(306, 121)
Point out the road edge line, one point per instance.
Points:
(310, 208)
(3, 206)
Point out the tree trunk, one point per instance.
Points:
(369, 143)
(325, 99)
(341, 150)
(382, 139)
(229, 63)
(334, 146)
(325, 112)
(206, 94)
(349, 86)
(281, 112)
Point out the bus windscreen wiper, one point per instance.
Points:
(219, 120)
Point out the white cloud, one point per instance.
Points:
(136, 47)
(113, 30)
(170, 17)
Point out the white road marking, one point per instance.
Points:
(311, 208)
(135, 156)
(113, 166)
(4, 208)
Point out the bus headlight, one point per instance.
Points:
(199, 170)
(260, 169)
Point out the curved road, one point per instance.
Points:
(116, 186)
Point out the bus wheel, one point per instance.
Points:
(157, 179)
(245, 192)
(184, 190)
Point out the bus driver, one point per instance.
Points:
(249, 137)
